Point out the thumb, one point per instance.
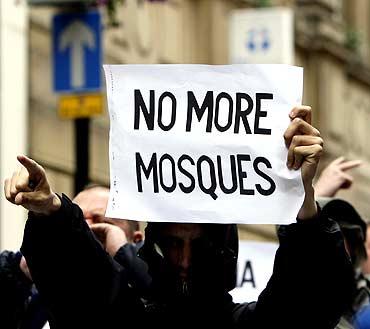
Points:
(38, 202)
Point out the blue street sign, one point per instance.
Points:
(77, 52)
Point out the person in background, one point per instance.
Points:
(15, 290)
(20, 304)
(121, 238)
(93, 201)
(332, 179)
(353, 229)
(362, 318)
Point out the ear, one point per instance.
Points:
(138, 236)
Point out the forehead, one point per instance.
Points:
(96, 198)
(183, 231)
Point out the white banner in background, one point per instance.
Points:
(255, 265)
(201, 143)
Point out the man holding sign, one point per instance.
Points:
(192, 170)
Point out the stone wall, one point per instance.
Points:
(337, 78)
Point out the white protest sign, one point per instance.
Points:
(255, 265)
(201, 143)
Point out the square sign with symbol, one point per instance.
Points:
(261, 36)
(77, 52)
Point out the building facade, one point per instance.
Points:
(332, 39)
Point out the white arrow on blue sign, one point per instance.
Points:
(77, 52)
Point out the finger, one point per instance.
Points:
(89, 222)
(33, 168)
(30, 199)
(98, 227)
(298, 159)
(22, 199)
(299, 127)
(302, 111)
(19, 199)
(13, 183)
(309, 153)
(22, 183)
(95, 227)
(99, 232)
(350, 164)
(338, 160)
(301, 140)
(110, 221)
(7, 189)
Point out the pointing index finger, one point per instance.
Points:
(32, 167)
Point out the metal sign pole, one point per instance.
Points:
(82, 135)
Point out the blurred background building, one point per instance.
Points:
(331, 42)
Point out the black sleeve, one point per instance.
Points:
(78, 281)
(15, 288)
(312, 280)
(135, 268)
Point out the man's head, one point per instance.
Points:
(93, 202)
(187, 260)
(352, 226)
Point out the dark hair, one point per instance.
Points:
(343, 213)
(351, 224)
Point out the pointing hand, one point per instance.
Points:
(29, 187)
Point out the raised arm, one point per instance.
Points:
(305, 146)
(80, 283)
(29, 187)
(312, 281)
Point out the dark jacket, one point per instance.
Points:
(85, 288)
(20, 304)
(15, 289)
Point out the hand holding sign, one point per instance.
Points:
(305, 148)
(29, 187)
